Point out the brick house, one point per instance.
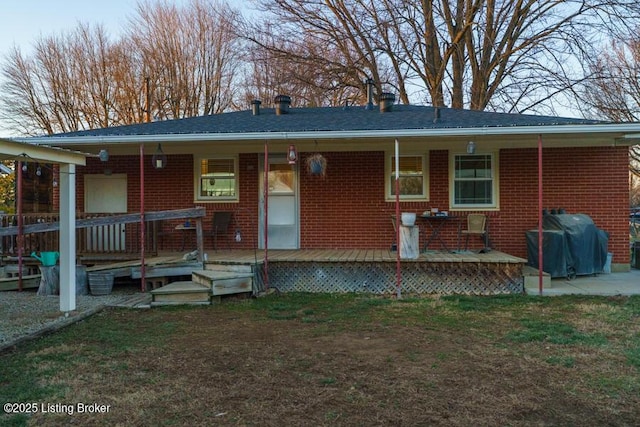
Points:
(218, 161)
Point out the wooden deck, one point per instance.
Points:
(355, 255)
(374, 270)
(336, 270)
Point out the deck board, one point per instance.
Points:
(356, 255)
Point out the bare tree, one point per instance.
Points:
(613, 90)
(499, 54)
(83, 79)
(272, 72)
(70, 83)
(189, 54)
(634, 190)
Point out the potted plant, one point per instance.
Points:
(317, 164)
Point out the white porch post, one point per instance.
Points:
(67, 237)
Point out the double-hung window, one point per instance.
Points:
(474, 181)
(216, 179)
(412, 177)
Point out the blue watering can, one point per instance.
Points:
(47, 258)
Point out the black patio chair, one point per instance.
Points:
(220, 228)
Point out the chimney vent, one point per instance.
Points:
(369, 83)
(386, 101)
(255, 107)
(282, 104)
(436, 114)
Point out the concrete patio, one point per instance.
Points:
(624, 283)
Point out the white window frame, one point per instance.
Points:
(197, 181)
(495, 202)
(389, 175)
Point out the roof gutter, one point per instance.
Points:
(632, 138)
(629, 131)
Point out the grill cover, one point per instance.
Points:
(571, 244)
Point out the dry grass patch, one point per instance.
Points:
(303, 359)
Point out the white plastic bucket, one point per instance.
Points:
(408, 218)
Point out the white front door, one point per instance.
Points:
(105, 194)
(282, 219)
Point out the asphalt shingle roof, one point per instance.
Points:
(355, 118)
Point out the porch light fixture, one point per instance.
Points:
(471, 147)
(159, 159)
(292, 155)
(103, 155)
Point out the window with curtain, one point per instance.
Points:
(411, 177)
(217, 179)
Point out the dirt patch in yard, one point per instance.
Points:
(232, 366)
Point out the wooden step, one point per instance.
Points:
(11, 283)
(183, 268)
(224, 282)
(235, 268)
(532, 278)
(142, 300)
(185, 292)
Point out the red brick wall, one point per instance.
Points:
(350, 200)
(347, 208)
(172, 188)
(592, 181)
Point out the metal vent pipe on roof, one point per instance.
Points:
(369, 82)
(386, 101)
(255, 107)
(282, 104)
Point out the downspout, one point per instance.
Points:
(20, 237)
(397, 183)
(142, 269)
(540, 231)
(266, 215)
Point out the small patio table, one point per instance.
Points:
(435, 223)
(184, 229)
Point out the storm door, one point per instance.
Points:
(282, 219)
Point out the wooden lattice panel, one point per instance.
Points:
(380, 277)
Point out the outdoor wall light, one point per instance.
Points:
(159, 159)
(471, 147)
(103, 155)
(238, 237)
(292, 155)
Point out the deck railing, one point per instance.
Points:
(95, 233)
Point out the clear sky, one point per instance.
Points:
(24, 21)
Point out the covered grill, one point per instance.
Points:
(571, 245)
